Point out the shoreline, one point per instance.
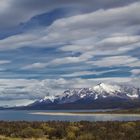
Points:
(82, 114)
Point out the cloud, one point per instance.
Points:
(135, 71)
(101, 32)
(119, 41)
(20, 102)
(15, 89)
(114, 45)
(100, 38)
(114, 61)
(14, 12)
(86, 73)
(58, 62)
(68, 60)
(98, 24)
(17, 41)
(4, 62)
(77, 48)
(92, 24)
(134, 64)
(35, 66)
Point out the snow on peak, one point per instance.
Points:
(99, 91)
(51, 98)
(133, 95)
(106, 88)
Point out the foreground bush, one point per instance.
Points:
(56, 130)
(31, 132)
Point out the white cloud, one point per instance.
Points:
(102, 32)
(134, 64)
(14, 12)
(4, 62)
(77, 48)
(121, 40)
(35, 66)
(68, 60)
(114, 61)
(96, 24)
(58, 62)
(13, 89)
(20, 102)
(85, 73)
(17, 41)
(135, 71)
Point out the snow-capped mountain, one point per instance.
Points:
(109, 93)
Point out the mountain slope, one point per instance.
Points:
(99, 96)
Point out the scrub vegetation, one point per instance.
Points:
(57, 130)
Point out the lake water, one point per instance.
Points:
(12, 115)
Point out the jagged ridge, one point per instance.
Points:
(98, 92)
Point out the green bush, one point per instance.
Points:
(71, 136)
(87, 136)
(31, 132)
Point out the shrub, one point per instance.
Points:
(87, 136)
(71, 136)
(31, 132)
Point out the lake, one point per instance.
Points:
(36, 115)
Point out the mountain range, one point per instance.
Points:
(101, 96)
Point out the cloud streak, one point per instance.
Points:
(14, 12)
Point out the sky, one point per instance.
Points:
(48, 46)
